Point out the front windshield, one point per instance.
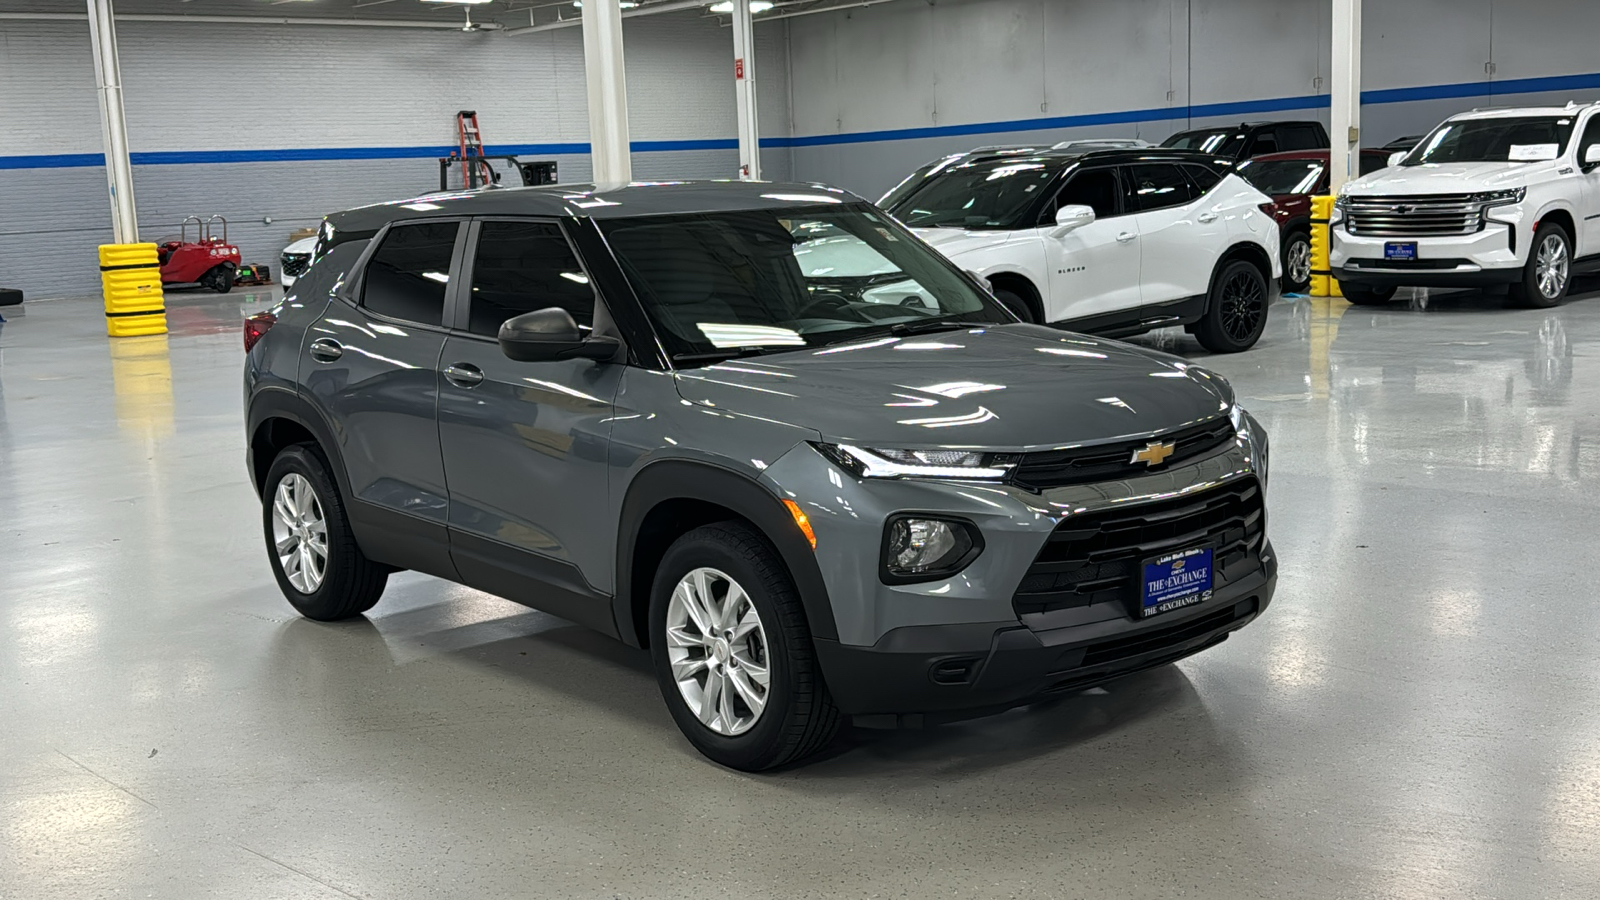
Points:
(717, 284)
(1519, 139)
(1283, 176)
(1218, 141)
(990, 196)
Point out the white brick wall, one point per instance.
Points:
(210, 87)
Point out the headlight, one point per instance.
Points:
(1500, 198)
(923, 548)
(1337, 215)
(1246, 428)
(890, 463)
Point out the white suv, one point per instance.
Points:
(1115, 242)
(1490, 197)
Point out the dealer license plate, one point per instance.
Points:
(1175, 581)
(1400, 250)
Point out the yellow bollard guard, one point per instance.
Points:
(1322, 283)
(130, 277)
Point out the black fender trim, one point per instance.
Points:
(281, 403)
(668, 480)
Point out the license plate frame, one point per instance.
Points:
(1400, 250)
(1176, 580)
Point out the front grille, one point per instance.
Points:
(295, 264)
(1095, 557)
(1108, 462)
(1432, 214)
(1153, 647)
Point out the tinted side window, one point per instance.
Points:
(1094, 188)
(1591, 135)
(1204, 177)
(407, 276)
(523, 266)
(1370, 162)
(1158, 186)
(1265, 142)
(1298, 137)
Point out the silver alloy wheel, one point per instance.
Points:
(717, 646)
(1552, 268)
(1298, 261)
(300, 533)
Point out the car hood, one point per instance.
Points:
(1450, 178)
(304, 245)
(1008, 388)
(954, 241)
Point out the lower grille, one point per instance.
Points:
(1408, 265)
(1109, 462)
(294, 264)
(1095, 557)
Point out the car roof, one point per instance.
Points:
(1508, 112)
(598, 201)
(1065, 157)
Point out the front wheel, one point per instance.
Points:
(1016, 303)
(219, 278)
(733, 652)
(319, 567)
(1548, 274)
(1236, 311)
(1297, 263)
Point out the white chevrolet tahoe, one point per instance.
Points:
(1490, 197)
(1109, 241)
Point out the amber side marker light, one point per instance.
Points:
(801, 519)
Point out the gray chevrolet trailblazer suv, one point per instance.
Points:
(761, 430)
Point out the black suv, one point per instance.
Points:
(1250, 139)
(760, 429)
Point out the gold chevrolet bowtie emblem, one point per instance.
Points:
(1152, 454)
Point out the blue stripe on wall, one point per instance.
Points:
(1157, 114)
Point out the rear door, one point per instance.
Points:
(1093, 269)
(371, 362)
(1182, 238)
(524, 443)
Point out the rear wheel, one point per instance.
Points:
(1236, 311)
(733, 652)
(319, 568)
(1297, 262)
(1364, 296)
(1548, 274)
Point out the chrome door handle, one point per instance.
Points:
(1125, 237)
(1207, 217)
(326, 350)
(463, 374)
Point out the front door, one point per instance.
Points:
(525, 443)
(1587, 241)
(371, 362)
(1182, 235)
(1094, 269)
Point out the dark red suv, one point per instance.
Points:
(1291, 179)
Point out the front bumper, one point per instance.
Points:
(944, 672)
(1486, 257)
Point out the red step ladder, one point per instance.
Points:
(475, 170)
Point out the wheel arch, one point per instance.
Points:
(667, 499)
(1248, 251)
(279, 418)
(1023, 286)
(1560, 215)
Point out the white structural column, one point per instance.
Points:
(1344, 118)
(113, 125)
(744, 88)
(608, 92)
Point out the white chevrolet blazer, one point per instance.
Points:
(1113, 242)
(1490, 197)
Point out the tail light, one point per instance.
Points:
(1270, 208)
(256, 326)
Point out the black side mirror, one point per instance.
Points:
(550, 334)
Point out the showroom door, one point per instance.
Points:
(371, 362)
(525, 443)
(1182, 235)
(1094, 269)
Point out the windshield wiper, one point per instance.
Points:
(728, 353)
(928, 325)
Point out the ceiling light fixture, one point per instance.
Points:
(756, 6)
(459, 2)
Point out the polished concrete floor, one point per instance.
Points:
(1416, 716)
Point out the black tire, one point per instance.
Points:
(1297, 262)
(798, 717)
(1535, 292)
(1236, 309)
(219, 278)
(1364, 296)
(351, 584)
(1017, 304)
